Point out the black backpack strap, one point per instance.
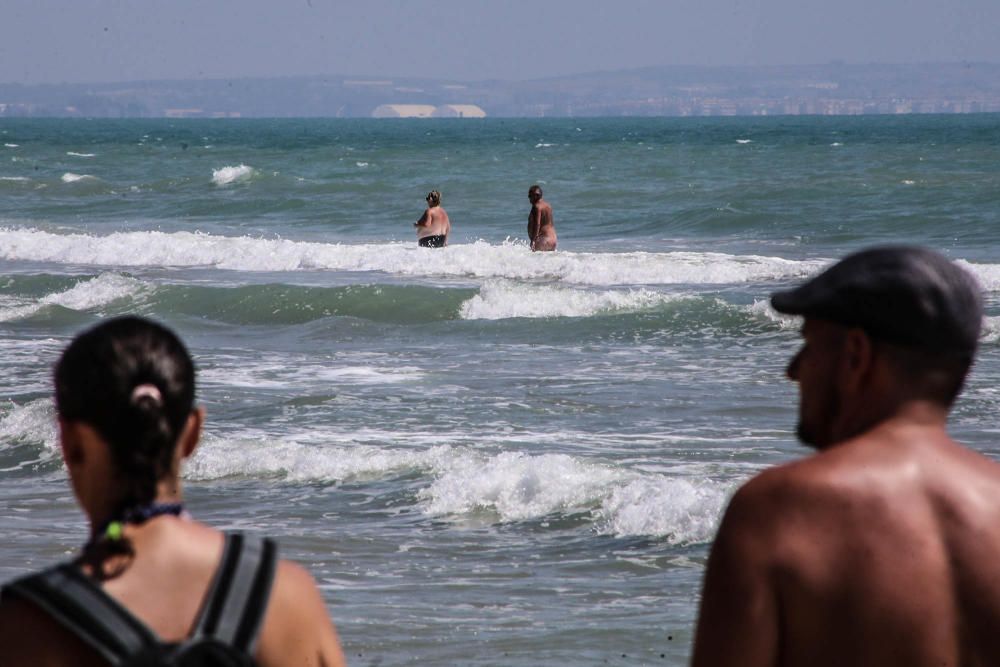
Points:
(237, 599)
(83, 608)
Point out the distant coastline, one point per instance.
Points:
(831, 89)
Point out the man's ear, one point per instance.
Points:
(857, 359)
(192, 432)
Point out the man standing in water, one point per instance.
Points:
(433, 226)
(882, 548)
(541, 230)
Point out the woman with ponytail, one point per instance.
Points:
(151, 585)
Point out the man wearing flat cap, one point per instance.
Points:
(883, 547)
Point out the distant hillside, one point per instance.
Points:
(661, 91)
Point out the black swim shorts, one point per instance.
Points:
(432, 241)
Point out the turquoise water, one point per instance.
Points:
(485, 456)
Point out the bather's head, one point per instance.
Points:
(131, 382)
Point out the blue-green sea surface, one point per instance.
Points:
(485, 456)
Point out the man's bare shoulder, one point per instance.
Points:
(795, 481)
(798, 498)
(845, 487)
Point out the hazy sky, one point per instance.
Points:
(51, 41)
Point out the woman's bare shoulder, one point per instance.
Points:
(297, 627)
(29, 636)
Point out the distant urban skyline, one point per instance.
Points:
(835, 89)
(92, 41)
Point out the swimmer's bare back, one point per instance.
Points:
(541, 227)
(434, 222)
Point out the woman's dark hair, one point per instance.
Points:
(132, 380)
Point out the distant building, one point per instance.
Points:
(199, 113)
(459, 111)
(428, 111)
(403, 111)
(183, 113)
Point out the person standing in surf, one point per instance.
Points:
(433, 227)
(152, 585)
(541, 227)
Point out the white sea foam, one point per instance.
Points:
(86, 295)
(33, 422)
(75, 154)
(370, 375)
(70, 177)
(17, 179)
(991, 330)
(275, 373)
(473, 260)
(298, 462)
(227, 175)
(361, 164)
(500, 299)
(516, 486)
(988, 275)
(100, 291)
(510, 486)
(744, 141)
(685, 510)
(11, 145)
(543, 145)
(762, 309)
(837, 143)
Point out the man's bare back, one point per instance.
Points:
(875, 552)
(541, 226)
(434, 224)
(882, 548)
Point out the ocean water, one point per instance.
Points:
(485, 456)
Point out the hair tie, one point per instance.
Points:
(143, 390)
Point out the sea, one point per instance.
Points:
(484, 455)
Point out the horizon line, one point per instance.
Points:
(389, 79)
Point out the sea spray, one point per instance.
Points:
(229, 175)
(475, 260)
(90, 294)
(500, 299)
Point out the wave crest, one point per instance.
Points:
(85, 295)
(502, 299)
(228, 175)
(512, 486)
(481, 260)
